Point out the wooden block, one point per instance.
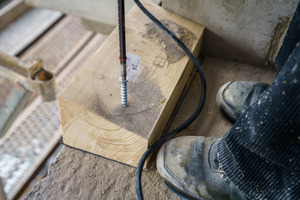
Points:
(92, 116)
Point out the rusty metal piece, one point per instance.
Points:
(40, 80)
(12, 63)
(44, 85)
(122, 58)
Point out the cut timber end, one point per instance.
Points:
(92, 116)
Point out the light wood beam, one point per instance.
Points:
(92, 116)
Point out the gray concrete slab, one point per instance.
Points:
(79, 175)
(236, 29)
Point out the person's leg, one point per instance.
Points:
(260, 155)
(291, 38)
(235, 97)
(261, 152)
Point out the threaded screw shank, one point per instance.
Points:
(124, 99)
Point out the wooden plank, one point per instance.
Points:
(31, 24)
(92, 116)
(11, 12)
(57, 47)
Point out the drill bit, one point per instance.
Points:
(123, 78)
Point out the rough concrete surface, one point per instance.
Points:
(239, 29)
(78, 175)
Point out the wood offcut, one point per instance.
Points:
(92, 116)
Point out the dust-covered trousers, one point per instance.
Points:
(261, 152)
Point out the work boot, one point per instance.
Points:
(190, 167)
(234, 98)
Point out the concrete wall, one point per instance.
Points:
(247, 30)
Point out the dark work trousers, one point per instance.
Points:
(261, 152)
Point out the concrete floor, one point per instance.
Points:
(78, 175)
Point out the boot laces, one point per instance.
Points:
(221, 172)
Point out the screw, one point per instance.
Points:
(124, 99)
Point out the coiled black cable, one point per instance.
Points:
(152, 148)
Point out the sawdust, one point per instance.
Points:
(145, 97)
(173, 51)
(144, 105)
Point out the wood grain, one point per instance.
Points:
(92, 116)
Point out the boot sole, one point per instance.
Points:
(184, 196)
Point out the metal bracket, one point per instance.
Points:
(38, 79)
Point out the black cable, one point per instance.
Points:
(152, 148)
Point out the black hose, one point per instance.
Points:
(153, 147)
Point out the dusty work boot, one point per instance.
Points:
(234, 98)
(190, 167)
